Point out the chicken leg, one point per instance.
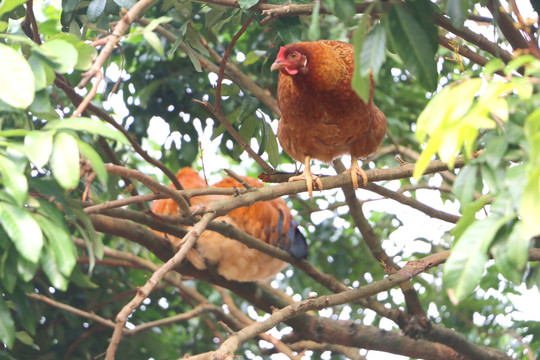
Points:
(356, 170)
(309, 178)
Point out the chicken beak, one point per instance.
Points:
(278, 64)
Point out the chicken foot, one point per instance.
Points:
(308, 177)
(356, 170)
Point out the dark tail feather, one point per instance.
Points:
(294, 241)
(298, 246)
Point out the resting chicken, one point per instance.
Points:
(322, 117)
(270, 221)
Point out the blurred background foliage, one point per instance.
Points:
(152, 86)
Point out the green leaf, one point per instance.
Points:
(24, 338)
(95, 10)
(501, 251)
(154, 41)
(59, 242)
(86, 56)
(360, 84)
(422, 11)
(95, 160)
(193, 58)
(272, 149)
(229, 89)
(314, 32)
(465, 184)
(412, 45)
(518, 248)
(89, 125)
(247, 109)
(23, 231)
(530, 206)
(463, 269)
(7, 326)
(8, 269)
(13, 180)
(50, 268)
(65, 160)
(457, 10)
(82, 280)
(246, 4)
(289, 29)
(372, 55)
(40, 76)
(16, 79)
(7, 6)
(247, 129)
(38, 146)
(26, 269)
(58, 54)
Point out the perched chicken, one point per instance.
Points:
(322, 117)
(270, 221)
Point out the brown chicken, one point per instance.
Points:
(322, 117)
(270, 221)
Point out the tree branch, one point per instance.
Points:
(187, 243)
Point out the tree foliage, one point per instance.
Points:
(102, 101)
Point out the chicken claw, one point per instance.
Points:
(356, 170)
(309, 178)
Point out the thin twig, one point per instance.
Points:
(151, 184)
(120, 29)
(91, 95)
(144, 291)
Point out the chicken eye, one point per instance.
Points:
(293, 55)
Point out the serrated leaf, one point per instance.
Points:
(16, 79)
(7, 326)
(95, 10)
(154, 41)
(60, 243)
(465, 184)
(65, 160)
(412, 45)
(89, 125)
(38, 146)
(372, 54)
(13, 180)
(95, 160)
(463, 269)
(23, 231)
